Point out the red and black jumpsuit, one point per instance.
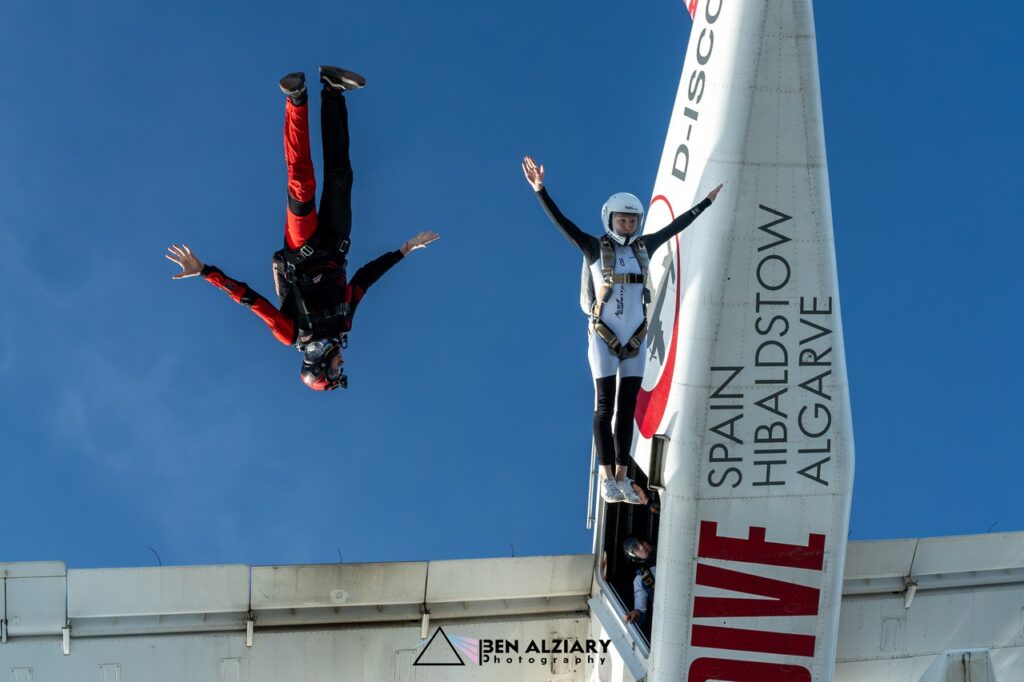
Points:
(324, 231)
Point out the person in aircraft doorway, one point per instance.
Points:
(641, 553)
(317, 300)
(615, 295)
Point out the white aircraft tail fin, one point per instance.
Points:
(746, 375)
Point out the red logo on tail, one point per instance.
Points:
(650, 405)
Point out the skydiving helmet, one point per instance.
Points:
(317, 372)
(631, 547)
(622, 202)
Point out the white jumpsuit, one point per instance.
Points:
(623, 314)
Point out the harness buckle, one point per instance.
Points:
(306, 250)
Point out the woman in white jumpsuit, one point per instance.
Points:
(621, 315)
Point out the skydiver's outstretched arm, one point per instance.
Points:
(368, 275)
(653, 241)
(279, 323)
(535, 177)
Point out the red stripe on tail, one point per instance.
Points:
(650, 405)
(693, 8)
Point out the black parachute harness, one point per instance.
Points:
(319, 323)
(593, 307)
(316, 324)
(291, 260)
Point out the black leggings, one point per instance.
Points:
(615, 447)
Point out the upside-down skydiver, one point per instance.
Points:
(316, 299)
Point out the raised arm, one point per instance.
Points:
(367, 275)
(656, 239)
(282, 327)
(535, 177)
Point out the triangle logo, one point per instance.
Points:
(439, 651)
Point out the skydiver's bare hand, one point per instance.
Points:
(713, 194)
(631, 616)
(534, 174)
(419, 241)
(183, 257)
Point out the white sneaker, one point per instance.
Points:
(610, 491)
(628, 494)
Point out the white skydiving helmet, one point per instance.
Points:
(622, 202)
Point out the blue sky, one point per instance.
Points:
(141, 412)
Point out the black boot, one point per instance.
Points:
(294, 85)
(340, 80)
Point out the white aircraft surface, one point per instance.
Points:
(749, 389)
(744, 429)
(932, 610)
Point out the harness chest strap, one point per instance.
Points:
(342, 309)
(313, 324)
